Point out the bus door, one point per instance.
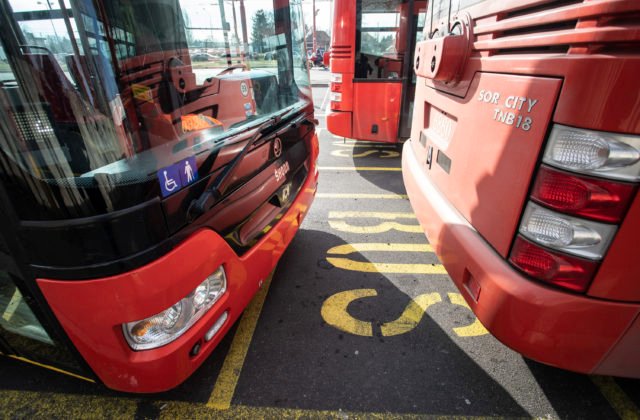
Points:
(372, 68)
(414, 24)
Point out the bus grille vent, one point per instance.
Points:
(564, 26)
(341, 51)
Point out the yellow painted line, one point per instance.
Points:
(411, 316)
(343, 226)
(46, 405)
(363, 196)
(373, 267)
(386, 247)
(53, 368)
(359, 168)
(179, 409)
(54, 405)
(334, 312)
(476, 329)
(369, 214)
(619, 401)
(230, 373)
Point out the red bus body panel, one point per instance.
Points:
(472, 221)
(491, 162)
(376, 104)
(92, 312)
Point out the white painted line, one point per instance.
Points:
(325, 103)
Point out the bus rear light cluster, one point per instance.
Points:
(336, 91)
(570, 222)
(168, 325)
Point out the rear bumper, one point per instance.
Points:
(339, 123)
(92, 311)
(560, 329)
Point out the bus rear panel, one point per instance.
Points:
(523, 169)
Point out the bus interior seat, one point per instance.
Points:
(54, 86)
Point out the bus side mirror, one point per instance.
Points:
(443, 59)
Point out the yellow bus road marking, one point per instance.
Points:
(53, 368)
(619, 401)
(476, 329)
(370, 214)
(388, 268)
(334, 312)
(352, 145)
(411, 316)
(230, 373)
(380, 267)
(343, 226)
(359, 168)
(363, 196)
(383, 154)
(364, 247)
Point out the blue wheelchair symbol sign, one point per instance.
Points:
(169, 179)
(175, 177)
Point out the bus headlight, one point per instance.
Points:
(168, 325)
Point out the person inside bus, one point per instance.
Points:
(363, 68)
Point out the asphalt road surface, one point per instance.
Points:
(360, 320)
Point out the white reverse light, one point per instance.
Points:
(336, 77)
(572, 235)
(168, 325)
(599, 153)
(336, 97)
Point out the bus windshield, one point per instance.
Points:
(98, 97)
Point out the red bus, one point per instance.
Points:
(523, 169)
(151, 176)
(372, 79)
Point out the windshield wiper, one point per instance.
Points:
(209, 197)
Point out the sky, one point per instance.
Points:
(323, 19)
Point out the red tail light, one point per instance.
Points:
(552, 267)
(593, 198)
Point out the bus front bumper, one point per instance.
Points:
(92, 312)
(545, 324)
